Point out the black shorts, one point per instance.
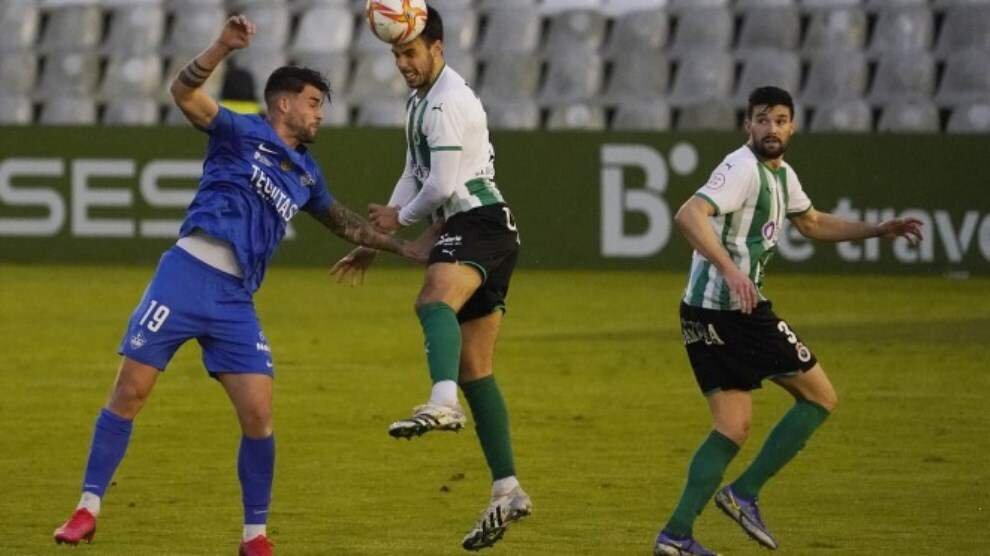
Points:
(485, 238)
(732, 351)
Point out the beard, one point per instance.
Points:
(774, 149)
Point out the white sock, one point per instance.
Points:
(444, 393)
(504, 486)
(91, 502)
(252, 531)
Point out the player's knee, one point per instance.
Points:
(256, 422)
(127, 399)
(737, 432)
(829, 400)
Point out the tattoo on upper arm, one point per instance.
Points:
(347, 224)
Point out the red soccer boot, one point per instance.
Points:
(258, 546)
(80, 527)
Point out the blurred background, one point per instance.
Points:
(856, 65)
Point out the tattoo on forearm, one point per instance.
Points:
(194, 75)
(345, 223)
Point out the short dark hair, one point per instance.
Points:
(433, 31)
(769, 96)
(293, 79)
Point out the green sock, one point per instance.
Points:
(784, 442)
(443, 340)
(491, 421)
(704, 475)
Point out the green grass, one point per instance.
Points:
(604, 409)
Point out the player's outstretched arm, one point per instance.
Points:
(346, 224)
(828, 227)
(692, 220)
(187, 87)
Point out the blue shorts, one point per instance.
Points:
(189, 299)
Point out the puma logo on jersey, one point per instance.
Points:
(438, 107)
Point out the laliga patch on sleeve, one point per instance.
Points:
(716, 182)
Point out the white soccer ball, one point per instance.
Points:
(396, 21)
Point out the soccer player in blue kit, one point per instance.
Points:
(256, 177)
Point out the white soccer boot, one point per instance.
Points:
(500, 513)
(428, 417)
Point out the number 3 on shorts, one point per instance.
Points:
(510, 221)
(161, 312)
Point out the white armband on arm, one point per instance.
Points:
(444, 165)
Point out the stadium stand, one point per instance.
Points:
(858, 65)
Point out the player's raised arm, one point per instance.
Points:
(187, 87)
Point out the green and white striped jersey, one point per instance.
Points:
(449, 117)
(751, 201)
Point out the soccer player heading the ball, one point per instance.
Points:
(256, 177)
(733, 338)
(449, 177)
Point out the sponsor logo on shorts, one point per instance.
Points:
(447, 240)
(448, 252)
(695, 331)
(138, 340)
(262, 344)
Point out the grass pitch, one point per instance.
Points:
(604, 409)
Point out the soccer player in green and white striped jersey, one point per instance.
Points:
(732, 336)
(449, 177)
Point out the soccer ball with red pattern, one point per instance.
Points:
(396, 21)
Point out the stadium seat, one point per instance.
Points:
(326, 30)
(73, 28)
(20, 22)
(71, 110)
(618, 9)
(376, 77)
(643, 31)
(136, 29)
(337, 114)
(718, 115)
(702, 28)
(334, 66)
(575, 30)
(272, 18)
(515, 29)
(131, 112)
(444, 6)
(553, 7)
(843, 116)
(970, 118)
(18, 72)
(193, 29)
(650, 115)
(965, 27)
(512, 76)
(842, 28)
(487, 5)
(575, 75)
(261, 64)
(463, 62)
(768, 67)
(903, 75)
(903, 29)
(966, 79)
(746, 4)
(576, 116)
(702, 76)
(914, 116)
(381, 113)
(769, 27)
(132, 76)
(835, 75)
(16, 110)
(810, 4)
(69, 73)
(522, 114)
(677, 6)
(460, 29)
(638, 76)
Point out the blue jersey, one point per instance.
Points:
(252, 185)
